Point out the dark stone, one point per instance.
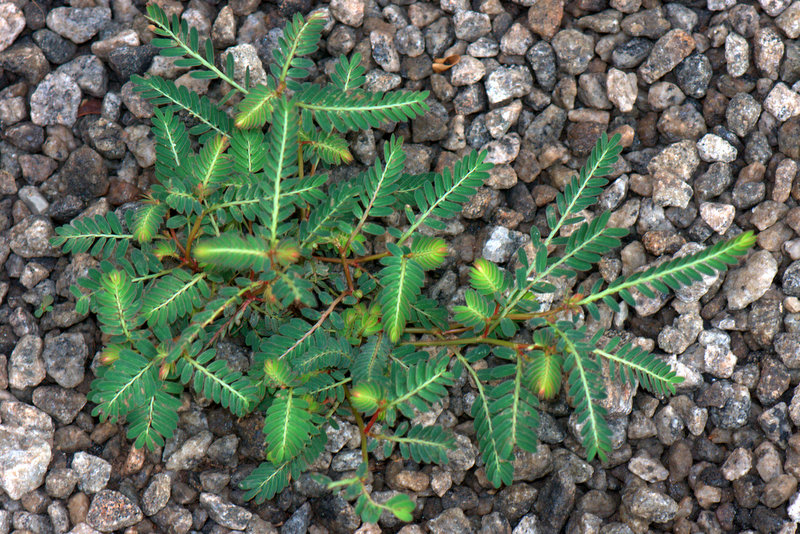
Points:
(54, 47)
(299, 522)
(556, 500)
(432, 125)
(85, 174)
(25, 136)
(25, 59)
(129, 60)
(64, 208)
(515, 501)
(774, 381)
(546, 127)
(460, 497)
(630, 54)
(288, 8)
(693, 75)
(582, 136)
(542, 60)
(336, 514)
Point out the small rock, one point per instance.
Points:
(775, 424)
(544, 16)
(25, 448)
(383, 51)
(622, 89)
(226, 514)
(223, 32)
(12, 22)
(25, 366)
(542, 59)
(713, 148)
(774, 8)
(299, 522)
(768, 50)
(738, 464)
(60, 482)
(26, 136)
(778, 490)
(782, 102)
(681, 122)
(631, 54)
(515, 501)
(157, 493)
(500, 245)
(125, 38)
(26, 60)
(191, 452)
(93, 472)
(573, 51)
(650, 505)
(106, 137)
(432, 125)
(129, 60)
(742, 114)
(54, 47)
(748, 283)
(504, 150)
(451, 521)
(175, 519)
(78, 24)
(111, 510)
(467, 71)
(65, 358)
(470, 25)
(647, 469)
(142, 145)
(85, 174)
(245, 56)
(136, 104)
(516, 40)
(350, 12)
(505, 84)
(37, 204)
(62, 404)
(649, 23)
(679, 160)
(555, 501)
(89, 73)
(737, 54)
(668, 51)
(718, 216)
(789, 21)
(55, 101)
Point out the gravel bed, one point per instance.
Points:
(706, 97)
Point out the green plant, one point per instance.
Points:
(45, 306)
(245, 238)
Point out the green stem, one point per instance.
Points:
(210, 66)
(319, 322)
(466, 341)
(193, 233)
(360, 423)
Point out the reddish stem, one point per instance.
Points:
(494, 315)
(372, 420)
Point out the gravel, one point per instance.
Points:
(706, 97)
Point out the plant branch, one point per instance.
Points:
(188, 50)
(470, 341)
(319, 322)
(360, 423)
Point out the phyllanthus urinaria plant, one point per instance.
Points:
(244, 236)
